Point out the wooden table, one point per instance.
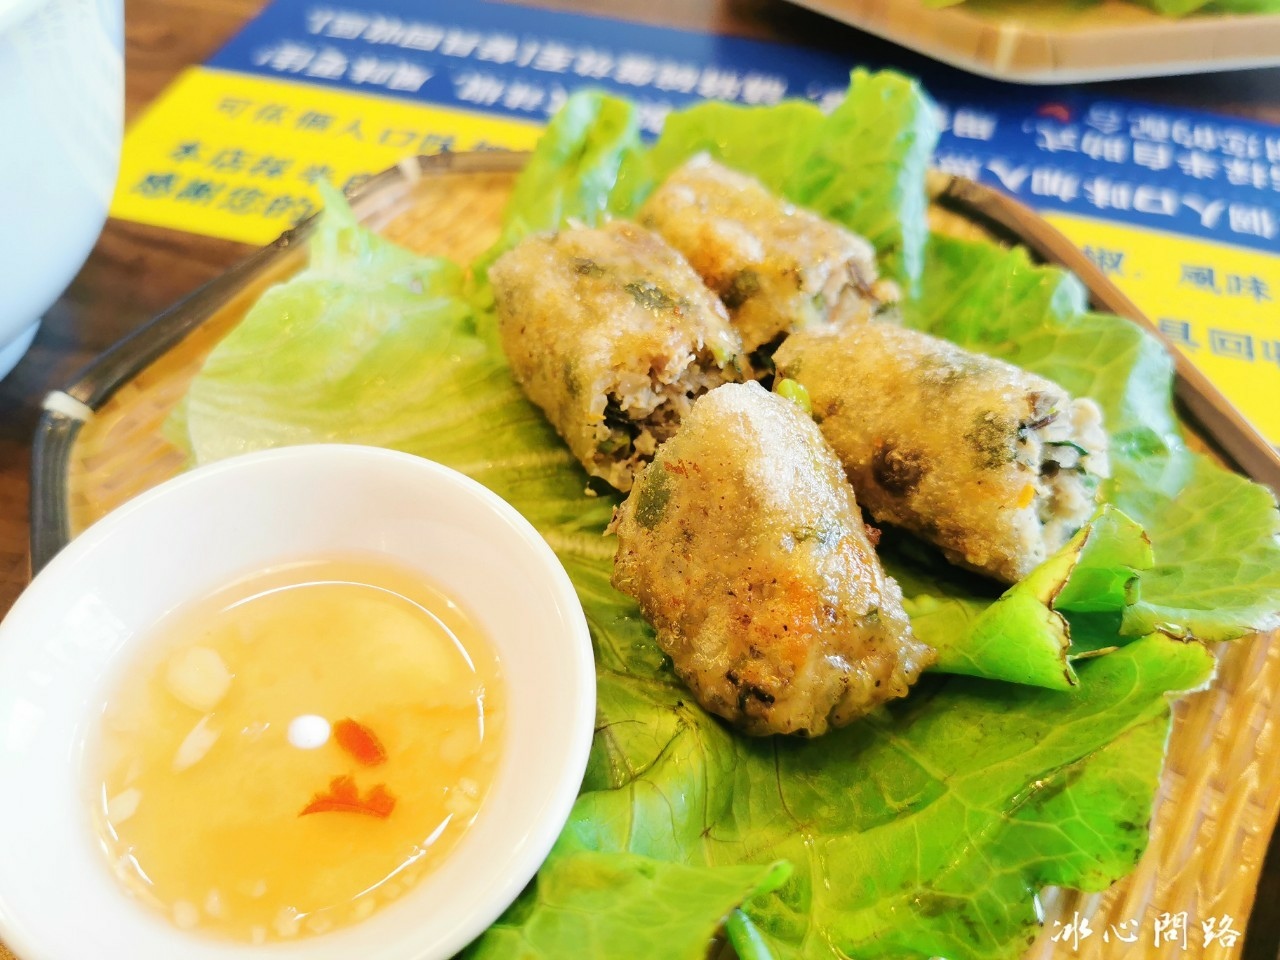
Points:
(136, 271)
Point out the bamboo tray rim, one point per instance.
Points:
(1085, 50)
(997, 216)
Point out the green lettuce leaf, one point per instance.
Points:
(625, 907)
(1217, 575)
(1106, 574)
(867, 169)
(577, 171)
(1027, 635)
(1244, 6)
(770, 143)
(1181, 8)
(923, 831)
(978, 293)
(1174, 8)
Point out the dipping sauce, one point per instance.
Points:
(297, 749)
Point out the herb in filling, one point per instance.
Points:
(586, 267)
(991, 437)
(649, 295)
(572, 382)
(796, 393)
(741, 287)
(652, 497)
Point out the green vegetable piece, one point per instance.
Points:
(652, 496)
(1180, 8)
(620, 905)
(582, 169)
(1018, 639)
(613, 444)
(795, 391)
(1068, 443)
(1217, 547)
(766, 142)
(649, 295)
(977, 293)
(1024, 636)
(744, 285)
(1105, 577)
(747, 942)
(888, 123)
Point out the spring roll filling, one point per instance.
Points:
(1065, 452)
(638, 410)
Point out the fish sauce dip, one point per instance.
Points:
(296, 749)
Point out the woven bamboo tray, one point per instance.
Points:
(1065, 41)
(101, 442)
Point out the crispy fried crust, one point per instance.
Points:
(746, 550)
(613, 335)
(995, 465)
(776, 267)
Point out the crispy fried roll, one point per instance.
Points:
(995, 465)
(613, 335)
(777, 268)
(746, 550)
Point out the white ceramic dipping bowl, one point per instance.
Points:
(62, 645)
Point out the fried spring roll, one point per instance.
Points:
(776, 267)
(993, 464)
(613, 335)
(746, 550)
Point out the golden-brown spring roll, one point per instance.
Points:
(746, 550)
(777, 268)
(613, 335)
(995, 465)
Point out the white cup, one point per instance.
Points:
(61, 111)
